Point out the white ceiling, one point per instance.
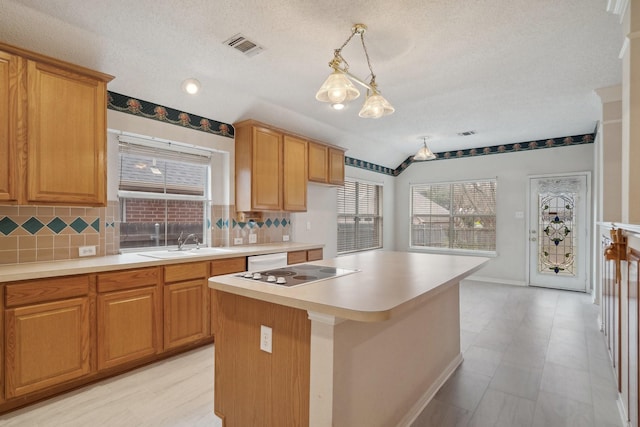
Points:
(511, 70)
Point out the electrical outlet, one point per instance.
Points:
(86, 250)
(285, 237)
(266, 336)
(237, 241)
(253, 238)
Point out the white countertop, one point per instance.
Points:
(13, 272)
(389, 283)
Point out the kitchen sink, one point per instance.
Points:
(175, 253)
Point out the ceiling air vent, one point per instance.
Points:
(467, 133)
(244, 45)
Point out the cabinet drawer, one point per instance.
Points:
(296, 257)
(128, 279)
(179, 272)
(43, 290)
(228, 266)
(314, 254)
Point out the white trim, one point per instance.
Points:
(424, 400)
(624, 48)
(159, 196)
(326, 319)
(485, 279)
(609, 93)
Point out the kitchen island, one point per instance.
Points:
(369, 348)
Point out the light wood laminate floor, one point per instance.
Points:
(532, 357)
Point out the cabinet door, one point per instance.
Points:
(128, 326)
(336, 166)
(46, 344)
(11, 121)
(185, 312)
(295, 174)
(66, 138)
(266, 180)
(318, 163)
(296, 257)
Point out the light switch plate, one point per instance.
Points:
(237, 241)
(253, 238)
(285, 237)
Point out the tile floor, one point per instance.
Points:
(532, 357)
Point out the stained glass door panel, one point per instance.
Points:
(558, 238)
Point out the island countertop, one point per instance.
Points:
(387, 284)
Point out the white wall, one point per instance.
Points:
(512, 171)
(322, 208)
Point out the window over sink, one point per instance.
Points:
(164, 190)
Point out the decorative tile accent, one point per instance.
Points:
(153, 111)
(32, 225)
(7, 226)
(276, 222)
(57, 225)
(284, 222)
(268, 222)
(563, 141)
(78, 225)
(96, 225)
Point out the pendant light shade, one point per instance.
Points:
(375, 107)
(337, 89)
(424, 153)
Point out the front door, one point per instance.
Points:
(558, 231)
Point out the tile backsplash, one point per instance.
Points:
(45, 233)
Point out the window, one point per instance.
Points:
(163, 191)
(359, 216)
(454, 216)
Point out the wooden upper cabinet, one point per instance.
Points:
(258, 157)
(295, 174)
(336, 166)
(318, 163)
(52, 130)
(10, 82)
(66, 138)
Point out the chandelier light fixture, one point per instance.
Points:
(424, 153)
(339, 87)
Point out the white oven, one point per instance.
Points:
(266, 262)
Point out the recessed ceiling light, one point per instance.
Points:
(191, 86)
(337, 106)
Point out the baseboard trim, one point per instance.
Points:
(494, 280)
(424, 400)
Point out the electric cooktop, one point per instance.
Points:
(294, 275)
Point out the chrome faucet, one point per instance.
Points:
(181, 241)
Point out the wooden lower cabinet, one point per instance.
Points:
(46, 344)
(127, 326)
(186, 304)
(128, 316)
(297, 257)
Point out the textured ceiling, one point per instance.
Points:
(510, 70)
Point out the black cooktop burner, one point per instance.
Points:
(297, 274)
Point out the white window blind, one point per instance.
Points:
(455, 216)
(163, 191)
(359, 216)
